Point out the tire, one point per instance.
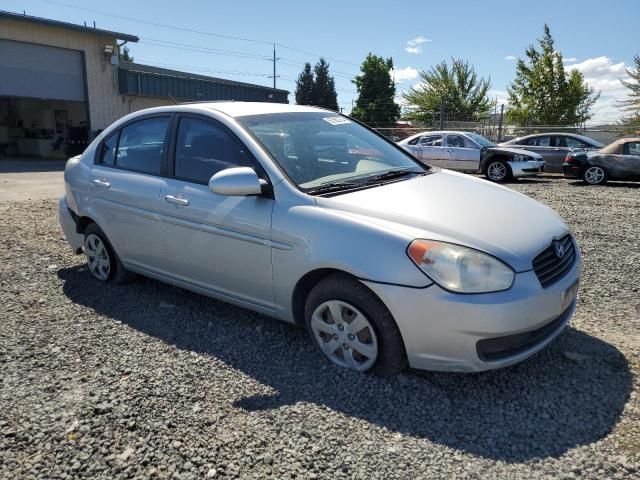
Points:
(594, 175)
(376, 347)
(102, 260)
(498, 171)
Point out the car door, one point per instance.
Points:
(126, 181)
(218, 243)
(432, 149)
(630, 161)
(461, 153)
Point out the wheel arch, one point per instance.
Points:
(304, 286)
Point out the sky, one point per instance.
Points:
(598, 38)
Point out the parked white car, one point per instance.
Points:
(305, 215)
(470, 152)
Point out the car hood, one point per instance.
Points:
(457, 208)
(515, 151)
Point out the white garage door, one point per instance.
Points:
(39, 71)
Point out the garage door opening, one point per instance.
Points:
(42, 128)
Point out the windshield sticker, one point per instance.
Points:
(336, 120)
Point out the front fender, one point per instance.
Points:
(310, 237)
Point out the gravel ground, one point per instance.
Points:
(147, 380)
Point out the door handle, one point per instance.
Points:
(101, 183)
(177, 200)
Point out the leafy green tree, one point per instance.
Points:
(631, 122)
(304, 86)
(376, 92)
(324, 88)
(463, 92)
(124, 56)
(543, 93)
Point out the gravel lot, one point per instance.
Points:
(147, 380)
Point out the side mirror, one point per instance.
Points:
(236, 181)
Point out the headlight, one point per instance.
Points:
(460, 269)
(522, 158)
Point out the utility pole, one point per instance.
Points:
(275, 59)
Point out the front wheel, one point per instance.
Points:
(352, 328)
(498, 171)
(594, 175)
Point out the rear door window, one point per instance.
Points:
(141, 145)
(632, 148)
(431, 141)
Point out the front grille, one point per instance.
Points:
(502, 348)
(551, 267)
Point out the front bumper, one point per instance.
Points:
(526, 169)
(442, 330)
(68, 225)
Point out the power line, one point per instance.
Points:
(201, 49)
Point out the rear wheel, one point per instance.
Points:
(594, 175)
(102, 260)
(498, 171)
(352, 328)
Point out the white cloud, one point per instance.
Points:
(510, 58)
(413, 45)
(501, 95)
(417, 41)
(402, 74)
(604, 76)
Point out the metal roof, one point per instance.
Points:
(69, 26)
(165, 72)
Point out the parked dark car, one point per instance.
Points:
(618, 161)
(554, 147)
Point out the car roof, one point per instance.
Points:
(616, 147)
(240, 109)
(561, 134)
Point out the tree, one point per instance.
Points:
(631, 122)
(324, 88)
(463, 92)
(304, 86)
(376, 92)
(123, 55)
(543, 93)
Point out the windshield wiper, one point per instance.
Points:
(390, 175)
(333, 187)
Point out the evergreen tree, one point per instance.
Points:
(376, 92)
(304, 86)
(631, 122)
(543, 93)
(124, 56)
(324, 89)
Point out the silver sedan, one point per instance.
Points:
(307, 216)
(470, 152)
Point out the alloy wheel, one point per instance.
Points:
(594, 175)
(345, 335)
(97, 257)
(497, 171)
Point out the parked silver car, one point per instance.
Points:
(554, 147)
(470, 152)
(306, 215)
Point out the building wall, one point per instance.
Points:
(105, 103)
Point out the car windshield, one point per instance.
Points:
(318, 150)
(484, 142)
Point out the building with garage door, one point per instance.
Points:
(61, 83)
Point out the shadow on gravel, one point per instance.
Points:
(570, 394)
(612, 184)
